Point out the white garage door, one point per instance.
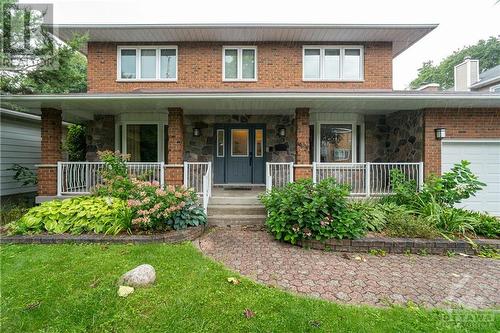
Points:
(485, 163)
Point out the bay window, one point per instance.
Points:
(239, 63)
(333, 63)
(147, 63)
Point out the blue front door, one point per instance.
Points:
(239, 156)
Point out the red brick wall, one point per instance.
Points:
(174, 175)
(302, 147)
(460, 124)
(51, 131)
(200, 66)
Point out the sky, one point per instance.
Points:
(461, 22)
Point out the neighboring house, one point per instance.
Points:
(20, 141)
(264, 104)
(468, 78)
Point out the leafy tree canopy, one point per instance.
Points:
(33, 61)
(486, 51)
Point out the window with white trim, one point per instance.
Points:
(147, 63)
(332, 63)
(239, 63)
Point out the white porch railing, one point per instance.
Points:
(278, 174)
(198, 175)
(368, 178)
(77, 178)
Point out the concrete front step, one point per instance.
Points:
(235, 220)
(220, 200)
(236, 210)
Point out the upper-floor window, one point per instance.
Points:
(333, 63)
(239, 63)
(147, 63)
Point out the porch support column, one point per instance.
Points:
(174, 171)
(303, 167)
(51, 130)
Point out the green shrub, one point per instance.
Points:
(485, 225)
(434, 204)
(12, 213)
(75, 143)
(75, 215)
(303, 210)
(453, 186)
(402, 221)
(373, 216)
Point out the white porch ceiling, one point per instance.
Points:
(77, 107)
(401, 35)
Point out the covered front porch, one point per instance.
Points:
(254, 139)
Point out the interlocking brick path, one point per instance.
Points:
(425, 280)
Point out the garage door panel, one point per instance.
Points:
(485, 163)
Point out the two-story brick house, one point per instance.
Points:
(263, 104)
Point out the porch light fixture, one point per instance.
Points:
(282, 132)
(196, 132)
(440, 133)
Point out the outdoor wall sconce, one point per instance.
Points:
(196, 132)
(440, 133)
(282, 132)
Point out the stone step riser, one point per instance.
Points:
(236, 210)
(236, 220)
(234, 201)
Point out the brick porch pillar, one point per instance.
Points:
(174, 172)
(303, 167)
(51, 130)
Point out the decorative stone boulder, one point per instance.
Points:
(141, 276)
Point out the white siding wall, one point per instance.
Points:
(20, 142)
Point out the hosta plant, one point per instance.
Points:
(75, 215)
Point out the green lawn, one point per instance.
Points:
(71, 288)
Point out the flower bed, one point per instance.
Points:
(123, 203)
(303, 212)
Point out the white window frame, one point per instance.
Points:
(342, 49)
(492, 88)
(248, 142)
(262, 143)
(138, 49)
(354, 152)
(223, 142)
(239, 66)
(160, 131)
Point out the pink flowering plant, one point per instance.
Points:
(117, 182)
(152, 207)
(155, 208)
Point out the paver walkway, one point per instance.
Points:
(425, 280)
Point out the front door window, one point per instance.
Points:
(239, 142)
(336, 143)
(142, 143)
